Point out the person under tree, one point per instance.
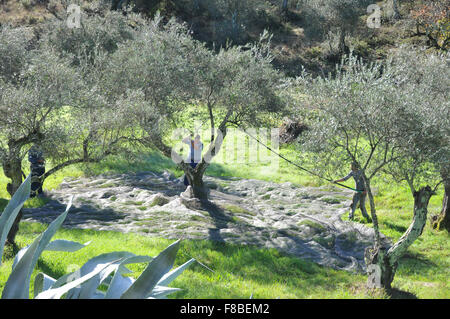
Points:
(361, 192)
(195, 152)
(37, 168)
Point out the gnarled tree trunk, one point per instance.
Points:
(284, 6)
(12, 167)
(342, 46)
(442, 221)
(195, 178)
(384, 263)
(396, 10)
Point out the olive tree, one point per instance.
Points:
(338, 16)
(35, 84)
(421, 117)
(377, 115)
(51, 94)
(165, 73)
(352, 122)
(97, 127)
(424, 120)
(237, 88)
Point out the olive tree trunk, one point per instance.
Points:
(12, 168)
(342, 46)
(195, 176)
(442, 221)
(396, 10)
(373, 213)
(195, 179)
(284, 6)
(383, 264)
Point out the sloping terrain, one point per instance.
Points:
(300, 38)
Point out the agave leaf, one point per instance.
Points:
(98, 295)
(118, 286)
(160, 292)
(65, 245)
(87, 268)
(56, 245)
(170, 276)
(19, 255)
(18, 284)
(159, 266)
(89, 288)
(119, 283)
(12, 210)
(42, 282)
(57, 293)
(136, 260)
(124, 270)
(89, 265)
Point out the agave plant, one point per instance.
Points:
(106, 269)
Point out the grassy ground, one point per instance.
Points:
(240, 271)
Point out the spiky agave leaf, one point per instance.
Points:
(18, 284)
(56, 245)
(155, 270)
(12, 210)
(57, 293)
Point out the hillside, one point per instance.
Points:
(305, 35)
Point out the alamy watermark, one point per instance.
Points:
(374, 276)
(74, 16)
(239, 146)
(74, 273)
(374, 19)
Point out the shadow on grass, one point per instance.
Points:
(48, 269)
(415, 264)
(266, 267)
(78, 214)
(10, 251)
(120, 164)
(218, 215)
(396, 227)
(3, 203)
(400, 294)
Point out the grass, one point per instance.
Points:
(240, 271)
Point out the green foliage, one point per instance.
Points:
(323, 16)
(314, 52)
(379, 115)
(230, 18)
(105, 269)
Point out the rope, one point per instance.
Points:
(298, 166)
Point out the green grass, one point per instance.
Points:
(240, 271)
